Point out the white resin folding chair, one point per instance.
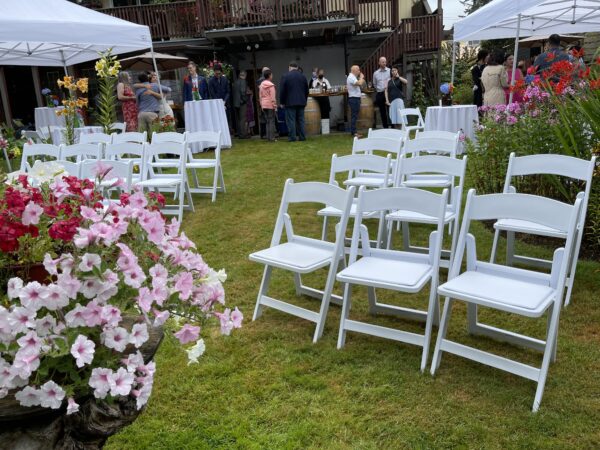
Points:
(122, 170)
(415, 147)
(557, 165)
(450, 137)
(127, 151)
(455, 169)
(129, 136)
(95, 138)
(388, 133)
(406, 114)
(176, 181)
(523, 292)
(166, 163)
(37, 151)
(33, 136)
(368, 165)
(301, 254)
(168, 136)
(81, 151)
(370, 146)
(72, 168)
(205, 139)
(118, 127)
(394, 270)
(47, 133)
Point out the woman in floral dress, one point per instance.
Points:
(128, 102)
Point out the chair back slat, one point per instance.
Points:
(81, 151)
(124, 150)
(431, 145)
(361, 162)
(407, 199)
(316, 192)
(370, 144)
(129, 136)
(387, 133)
(561, 165)
(435, 134)
(95, 138)
(72, 168)
(433, 164)
(168, 136)
(211, 137)
(44, 150)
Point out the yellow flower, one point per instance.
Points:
(60, 83)
(64, 102)
(16, 151)
(82, 102)
(113, 71)
(59, 112)
(82, 85)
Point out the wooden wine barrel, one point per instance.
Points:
(365, 116)
(312, 117)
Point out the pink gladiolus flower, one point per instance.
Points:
(188, 333)
(83, 351)
(101, 381)
(121, 382)
(72, 406)
(32, 214)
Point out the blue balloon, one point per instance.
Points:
(529, 79)
(445, 88)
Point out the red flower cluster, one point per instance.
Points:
(12, 206)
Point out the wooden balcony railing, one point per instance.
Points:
(177, 20)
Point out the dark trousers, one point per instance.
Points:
(294, 119)
(383, 109)
(240, 124)
(354, 104)
(270, 123)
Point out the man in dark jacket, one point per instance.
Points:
(293, 95)
(218, 88)
(240, 103)
(194, 85)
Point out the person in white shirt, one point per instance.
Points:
(354, 82)
(381, 78)
(320, 82)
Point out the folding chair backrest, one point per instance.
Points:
(213, 138)
(130, 136)
(437, 134)
(360, 163)
(388, 133)
(406, 113)
(119, 169)
(118, 127)
(313, 192)
(42, 150)
(369, 145)
(154, 151)
(431, 145)
(168, 136)
(47, 131)
(393, 199)
(532, 208)
(32, 136)
(72, 168)
(81, 151)
(125, 150)
(95, 138)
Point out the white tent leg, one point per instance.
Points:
(515, 56)
(155, 68)
(64, 62)
(453, 61)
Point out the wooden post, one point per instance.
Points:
(395, 14)
(35, 73)
(440, 14)
(4, 95)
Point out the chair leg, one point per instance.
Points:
(429, 324)
(298, 284)
(181, 197)
(188, 193)
(571, 275)
(324, 231)
(222, 179)
(345, 311)
(472, 318)
(548, 351)
(437, 354)
(510, 248)
(372, 299)
(390, 228)
(405, 237)
(264, 286)
(495, 246)
(195, 175)
(326, 299)
(454, 241)
(215, 183)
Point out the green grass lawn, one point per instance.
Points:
(268, 386)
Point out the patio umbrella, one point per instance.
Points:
(144, 62)
(535, 41)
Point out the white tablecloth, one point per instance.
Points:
(452, 118)
(58, 135)
(45, 117)
(207, 115)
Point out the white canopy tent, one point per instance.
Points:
(59, 33)
(517, 18)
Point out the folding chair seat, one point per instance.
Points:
(518, 291)
(394, 270)
(81, 151)
(301, 254)
(43, 151)
(559, 165)
(129, 136)
(368, 146)
(367, 164)
(439, 146)
(407, 113)
(176, 182)
(205, 139)
(441, 166)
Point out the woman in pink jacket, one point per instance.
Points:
(268, 103)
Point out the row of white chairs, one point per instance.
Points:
(519, 291)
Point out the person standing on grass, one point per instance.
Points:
(261, 116)
(240, 103)
(294, 92)
(476, 71)
(148, 98)
(128, 102)
(354, 82)
(494, 80)
(218, 88)
(268, 104)
(381, 78)
(394, 95)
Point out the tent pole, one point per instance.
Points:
(515, 57)
(453, 61)
(62, 57)
(155, 68)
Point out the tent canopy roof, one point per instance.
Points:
(50, 32)
(499, 18)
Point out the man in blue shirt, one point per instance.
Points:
(148, 99)
(554, 54)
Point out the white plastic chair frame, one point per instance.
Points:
(388, 133)
(213, 139)
(394, 270)
(302, 255)
(72, 168)
(455, 169)
(95, 138)
(164, 182)
(367, 164)
(119, 127)
(129, 136)
(411, 112)
(119, 169)
(560, 165)
(368, 146)
(80, 151)
(523, 292)
(43, 150)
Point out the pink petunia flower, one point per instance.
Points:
(188, 333)
(184, 282)
(121, 382)
(83, 351)
(101, 380)
(31, 214)
(72, 406)
(115, 338)
(51, 395)
(32, 295)
(29, 396)
(13, 287)
(89, 261)
(138, 335)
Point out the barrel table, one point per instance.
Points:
(312, 117)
